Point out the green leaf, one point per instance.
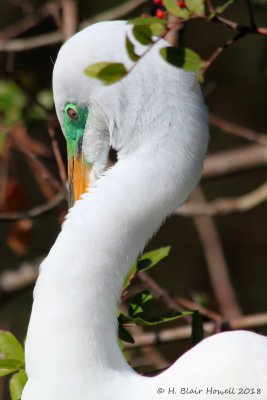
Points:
(162, 319)
(106, 71)
(10, 347)
(157, 29)
(223, 7)
(147, 21)
(197, 328)
(182, 57)
(196, 7)
(16, 384)
(130, 50)
(142, 34)
(124, 334)
(154, 321)
(7, 366)
(174, 9)
(152, 258)
(139, 302)
(157, 26)
(113, 73)
(94, 69)
(145, 262)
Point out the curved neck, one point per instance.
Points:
(76, 296)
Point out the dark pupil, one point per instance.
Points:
(72, 113)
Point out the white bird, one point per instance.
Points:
(156, 120)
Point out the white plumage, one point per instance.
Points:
(156, 120)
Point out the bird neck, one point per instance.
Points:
(78, 290)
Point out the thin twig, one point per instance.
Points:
(216, 263)
(161, 294)
(22, 139)
(41, 172)
(235, 160)
(69, 18)
(25, 44)
(221, 49)
(28, 22)
(59, 160)
(48, 39)
(191, 305)
(238, 130)
(14, 280)
(35, 211)
(239, 27)
(225, 206)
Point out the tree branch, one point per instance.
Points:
(237, 130)
(60, 163)
(190, 305)
(35, 211)
(235, 160)
(225, 206)
(160, 294)
(70, 18)
(216, 262)
(221, 49)
(24, 276)
(52, 38)
(239, 27)
(28, 22)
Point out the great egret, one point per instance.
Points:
(156, 120)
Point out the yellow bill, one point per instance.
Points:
(78, 177)
(75, 118)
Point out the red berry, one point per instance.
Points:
(160, 14)
(181, 3)
(158, 2)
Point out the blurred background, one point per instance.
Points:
(218, 258)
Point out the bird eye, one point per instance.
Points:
(72, 113)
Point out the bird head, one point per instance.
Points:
(86, 108)
(155, 104)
